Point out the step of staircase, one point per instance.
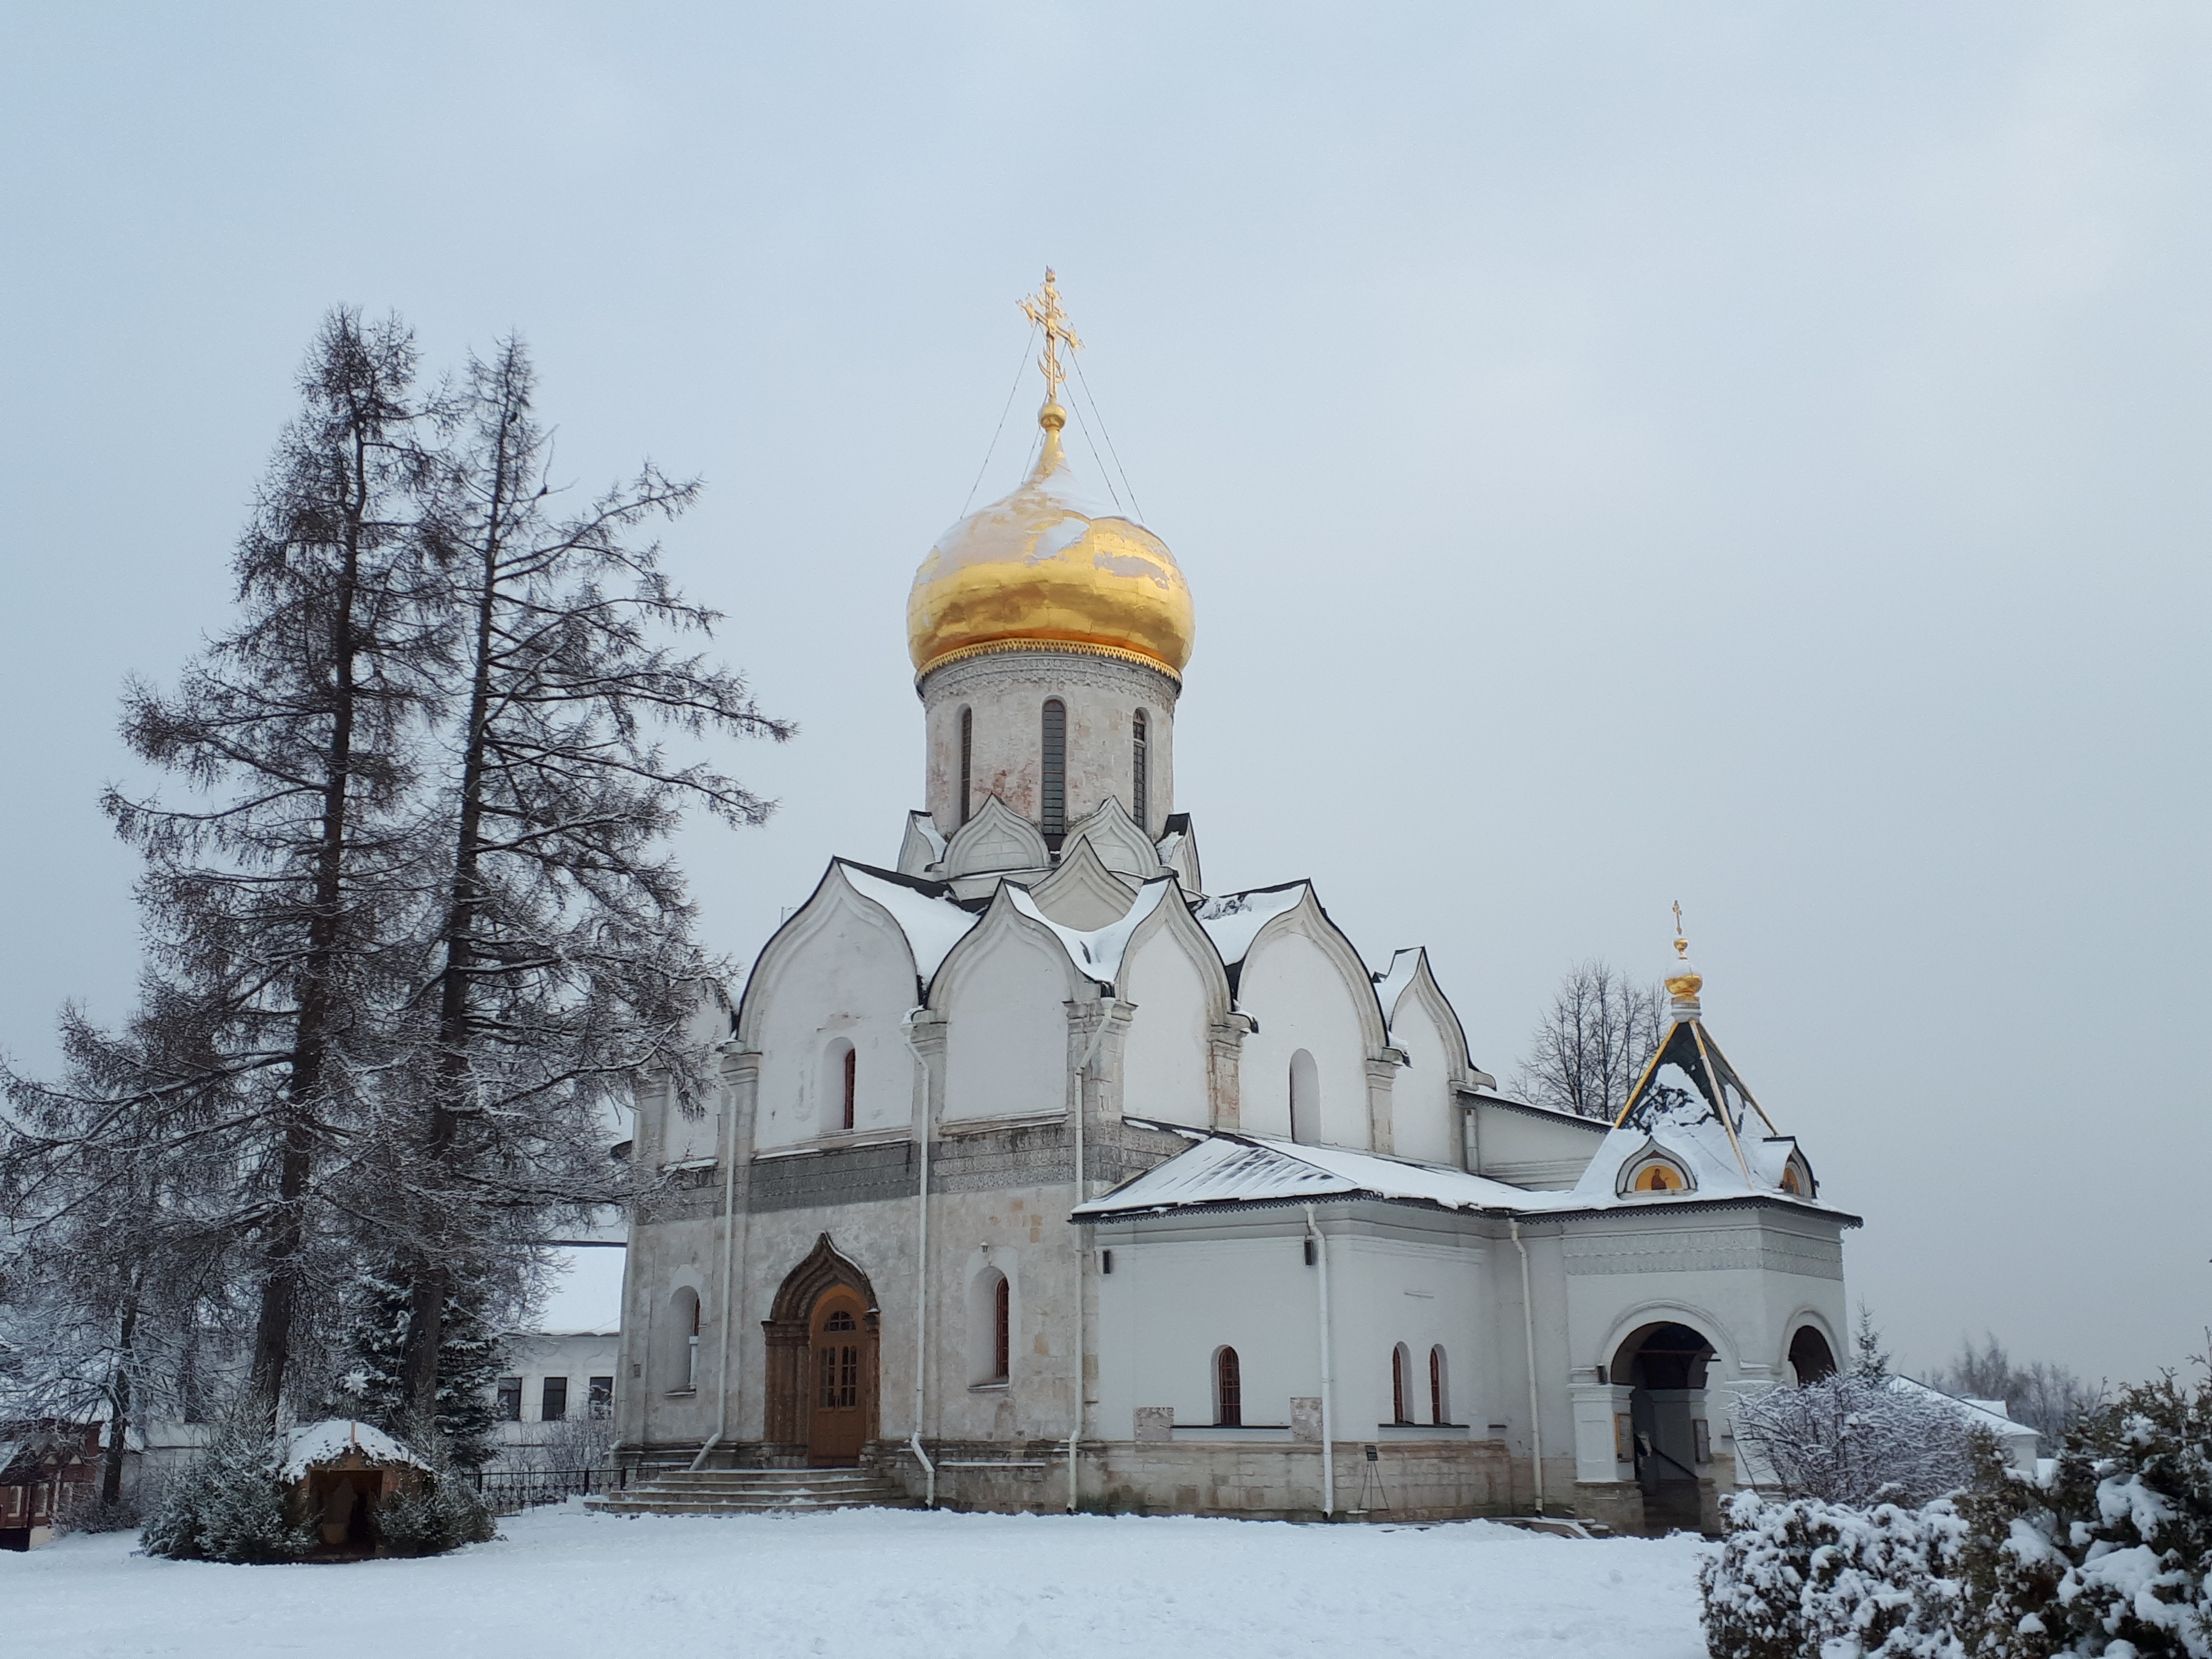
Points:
(754, 1492)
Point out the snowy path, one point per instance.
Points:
(879, 1584)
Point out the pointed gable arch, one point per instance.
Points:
(1083, 893)
(802, 932)
(1003, 994)
(846, 968)
(1425, 1111)
(921, 848)
(1310, 993)
(1121, 847)
(1174, 977)
(996, 839)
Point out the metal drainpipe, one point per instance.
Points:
(1327, 1374)
(921, 1274)
(1528, 1340)
(729, 1263)
(1106, 1006)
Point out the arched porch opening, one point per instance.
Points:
(824, 1333)
(1664, 1366)
(1810, 1357)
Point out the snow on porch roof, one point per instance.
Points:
(1225, 1169)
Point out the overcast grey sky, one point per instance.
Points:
(1745, 454)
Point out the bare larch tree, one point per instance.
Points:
(564, 962)
(1585, 1055)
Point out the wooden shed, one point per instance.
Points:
(340, 1473)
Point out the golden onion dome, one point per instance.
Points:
(1042, 567)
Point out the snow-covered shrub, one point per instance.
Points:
(1797, 1576)
(87, 1513)
(2108, 1554)
(1847, 1439)
(229, 1506)
(2105, 1554)
(440, 1512)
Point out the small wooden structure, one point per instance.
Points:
(339, 1474)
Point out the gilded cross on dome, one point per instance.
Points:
(1043, 309)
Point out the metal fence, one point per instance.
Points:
(507, 1490)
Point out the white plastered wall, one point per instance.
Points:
(1004, 993)
(1169, 1306)
(1296, 991)
(1424, 1112)
(848, 975)
(1164, 1054)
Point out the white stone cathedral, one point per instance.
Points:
(1040, 1177)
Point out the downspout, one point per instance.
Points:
(729, 1265)
(1327, 1374)
(1529, 1341)
(921, 1274)
(1106, 1006)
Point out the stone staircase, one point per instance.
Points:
(754, 1492)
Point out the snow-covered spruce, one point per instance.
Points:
(2104, 1554)
(229, 1506)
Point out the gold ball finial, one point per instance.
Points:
(1684, 985)
(1052, 417)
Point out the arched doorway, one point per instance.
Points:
(1664, 1366)
(1810, 1357)
(822, 1333)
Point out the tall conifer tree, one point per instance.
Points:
(566, 964)
(278, 894)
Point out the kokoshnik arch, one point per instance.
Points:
(1040, 1175)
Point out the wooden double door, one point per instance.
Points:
(837, 1378)
(822, 1331)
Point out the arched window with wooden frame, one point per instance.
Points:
(967, 762)
(990, 1328)
(840, 1086)
(1439, 1386)
(1141, 770)
(1402, 1361)
(1228, 1389)
(1052, 794)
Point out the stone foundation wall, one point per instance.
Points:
(1417, 1482)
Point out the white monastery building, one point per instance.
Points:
(1039, 1176)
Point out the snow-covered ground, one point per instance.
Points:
(885, 1584)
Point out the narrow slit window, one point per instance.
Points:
(1398, 1389)
(1439, 1400)
(967, 760)
(1002, 1349)
(1140, 773)
(1228, 1390)
(852, 1078)
(1052, 808)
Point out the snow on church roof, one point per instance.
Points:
(1233, 921)
(1231, 1169)
(1391, 983)
(1098, 952)
(1225, 1169)
(933, 924)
